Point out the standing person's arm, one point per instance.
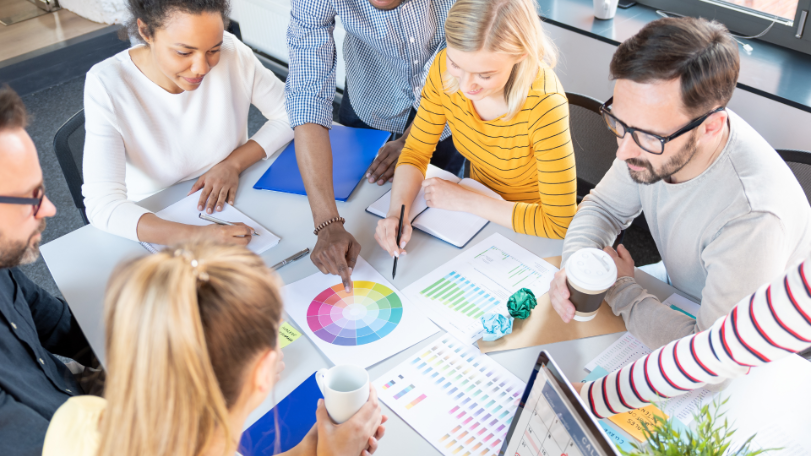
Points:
(770, 325)
(309, 92)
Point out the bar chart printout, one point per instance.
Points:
(546, 425)
(458, 399)
(478, 281)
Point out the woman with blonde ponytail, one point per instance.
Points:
(509, 116)
(191, 346)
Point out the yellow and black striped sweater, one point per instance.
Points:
(528, 159)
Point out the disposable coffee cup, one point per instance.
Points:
(605, 9)
(345, 389)
(589, 274)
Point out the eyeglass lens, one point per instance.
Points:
(647, 142)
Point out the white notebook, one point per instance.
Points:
(185, 211)
(455, 228)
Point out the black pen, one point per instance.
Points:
(399, 233)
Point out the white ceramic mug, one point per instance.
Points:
(605, 9)
(345, 389)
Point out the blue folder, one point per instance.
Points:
(296, 414)
(353, 150)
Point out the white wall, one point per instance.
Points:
(583, 68)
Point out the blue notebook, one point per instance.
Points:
(296, 415)
(353, 150)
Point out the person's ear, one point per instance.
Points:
(142, 30)
(521, 59)
(265, 371)
(714, 124)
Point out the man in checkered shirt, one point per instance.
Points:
(389, 47)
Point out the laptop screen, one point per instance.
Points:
(547, 422)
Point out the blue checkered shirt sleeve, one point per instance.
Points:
(310, 85)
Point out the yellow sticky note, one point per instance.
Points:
(287, 334)
(631, 422)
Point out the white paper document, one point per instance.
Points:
(185, 212)
(628, 349)
(458, 399)
(479, 280)
(683, 305)
(373, 322)
(455, 228)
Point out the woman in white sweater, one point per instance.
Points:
(174, 109)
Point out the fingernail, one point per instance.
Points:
(397, 254)
(231, 203)
(402, 245)
(219, 208)
(368, 174)
(199, 208)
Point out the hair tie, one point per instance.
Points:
(198, 274)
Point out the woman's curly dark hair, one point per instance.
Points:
(154, 13)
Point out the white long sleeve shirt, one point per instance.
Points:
(142, 139)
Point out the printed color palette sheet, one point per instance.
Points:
(362, 327)
(458, 399)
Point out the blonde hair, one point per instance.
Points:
(505, 26)
(181, 327)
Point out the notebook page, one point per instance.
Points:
(453, 227)
(185, 212)
(381, 207)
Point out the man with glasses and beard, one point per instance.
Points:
(726, 212)
(33, 324)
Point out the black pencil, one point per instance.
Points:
(399, 233)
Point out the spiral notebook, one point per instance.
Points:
(455, 228)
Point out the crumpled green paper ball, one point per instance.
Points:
(521, 303)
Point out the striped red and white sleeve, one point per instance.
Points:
(769, 325)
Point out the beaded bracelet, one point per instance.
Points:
(324, 225)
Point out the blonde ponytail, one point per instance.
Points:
(510, 27)
(181, 326)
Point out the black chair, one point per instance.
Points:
(800, 163)
(69, 148)
(595, 147)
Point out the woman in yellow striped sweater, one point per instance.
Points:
(495, 88)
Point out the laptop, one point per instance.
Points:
(551, 419)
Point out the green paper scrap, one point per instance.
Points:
(287, 335)
(521, 303)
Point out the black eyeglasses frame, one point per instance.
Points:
(36, 202)
(662, 139)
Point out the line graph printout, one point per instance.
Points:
(458, 399)
(478, 281)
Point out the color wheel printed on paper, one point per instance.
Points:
(367, 314)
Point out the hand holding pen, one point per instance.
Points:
(386, 233)
(209, 218)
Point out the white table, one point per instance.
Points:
(82, 261)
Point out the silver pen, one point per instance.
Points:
(209, 218)
(291, 259)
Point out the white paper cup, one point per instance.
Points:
(605, 9)
(589, 274)
(345, 389)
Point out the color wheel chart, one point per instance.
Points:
(460, 400)
(478, 281)
(367, 314)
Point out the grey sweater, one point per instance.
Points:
(739, 224)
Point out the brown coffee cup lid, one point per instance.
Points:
(591, 269)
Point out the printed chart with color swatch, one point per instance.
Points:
(478, 281)
(366, 314)
(458, 399)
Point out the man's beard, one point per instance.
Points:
(679, 161)
(15, 253)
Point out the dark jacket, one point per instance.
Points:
(33, 382)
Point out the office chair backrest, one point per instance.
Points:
(595, 147)
(69, 149)
(800, 163)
